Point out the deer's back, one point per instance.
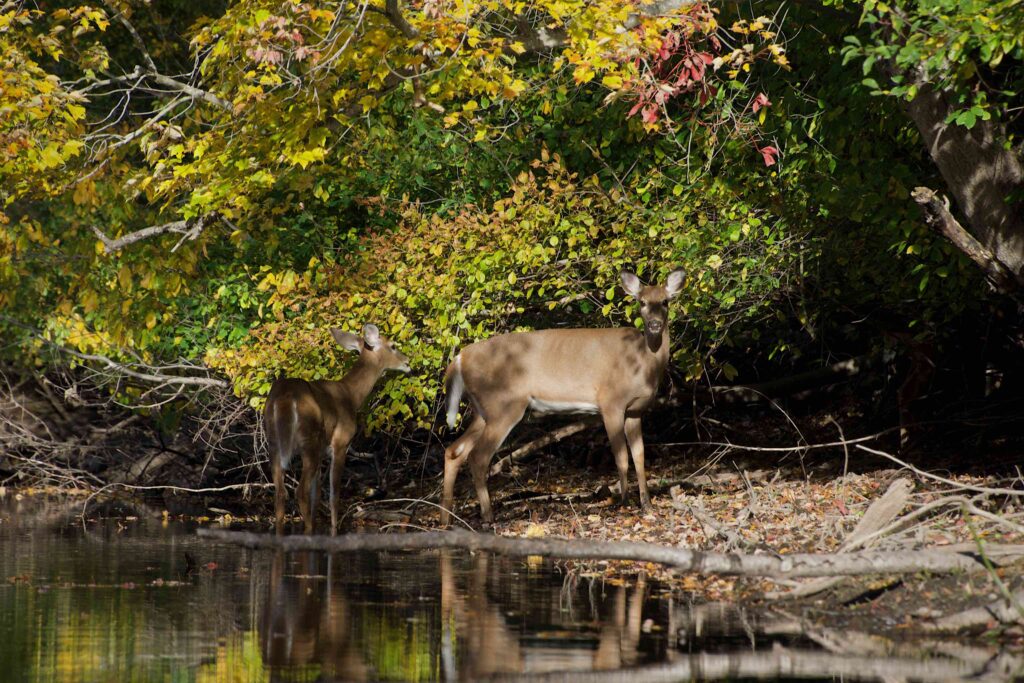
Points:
(563, 365)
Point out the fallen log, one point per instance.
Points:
(797, 565)
(780, 663)
(878, 515)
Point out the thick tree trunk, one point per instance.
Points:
(979, 171)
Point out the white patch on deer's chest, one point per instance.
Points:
(543, 407)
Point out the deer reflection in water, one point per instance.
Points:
(307, 621)
(488, 621)
(552, 639)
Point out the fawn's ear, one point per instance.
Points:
(674, 283)
(371, 336)
(347, 340)
(630, 283)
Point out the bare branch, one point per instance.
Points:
(938, 217)
(394, 14)
(189, 231)
(192, 91)
(136, 38)
(171, 83)
(173, 380)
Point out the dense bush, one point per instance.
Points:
(549, 254)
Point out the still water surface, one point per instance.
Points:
(145, 600)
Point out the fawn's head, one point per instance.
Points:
(374, 347)
(653, 298)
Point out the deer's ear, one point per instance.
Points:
(630, 283)
(347, 340)
(371, 335)
(674, 283)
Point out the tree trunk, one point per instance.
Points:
(979, 171)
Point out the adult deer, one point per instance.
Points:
(614, 372)
(320, 417)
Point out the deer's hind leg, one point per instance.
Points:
(312, 452)
(501, 420)
(454, 457)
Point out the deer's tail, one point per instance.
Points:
(453, 388)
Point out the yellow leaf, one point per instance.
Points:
(583, 74)
(124, 277)
(612, 81)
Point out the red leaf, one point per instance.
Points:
(769, 154)
(650, 114)
(636, 107)
(841, 507)
(760, 101)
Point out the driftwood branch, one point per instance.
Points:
(938, 217)
(797, 565)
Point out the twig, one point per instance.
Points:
(935, 477)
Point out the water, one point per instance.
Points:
(121, 599)
(144, 600)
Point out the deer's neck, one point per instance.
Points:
(360, 380)
(658, 344)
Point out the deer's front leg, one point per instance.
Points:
(614, 424)
(339, 451)
(635, 436)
